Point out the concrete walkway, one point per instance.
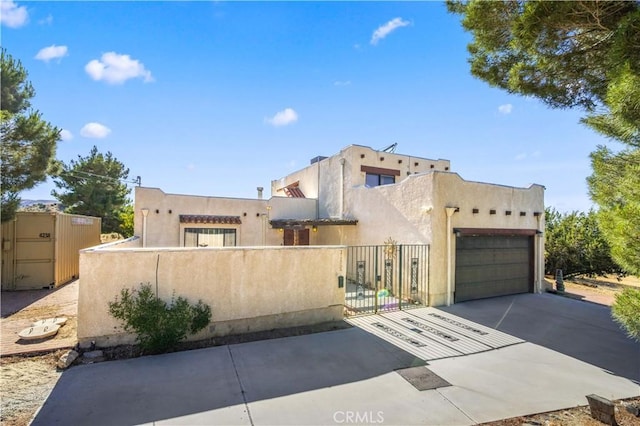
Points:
(339, 377)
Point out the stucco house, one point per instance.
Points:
(467, 239)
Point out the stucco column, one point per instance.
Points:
(539, 256)
(145, 213)
(450, 211)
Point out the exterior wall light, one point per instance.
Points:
(314, 228)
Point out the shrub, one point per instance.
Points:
(626, 311)
(158, 326)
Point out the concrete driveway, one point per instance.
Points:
(349, 376)
(581, 330)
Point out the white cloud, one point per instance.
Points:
(505, 109)
(342, 83)
(283, 118)
(52, 52)
(46, 21)
(386, 29)
(525, 155)
(66, 135)
(12, 15)
(116, 69)
(95, 130)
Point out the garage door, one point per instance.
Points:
(493, 265)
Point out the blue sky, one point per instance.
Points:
(217, 98)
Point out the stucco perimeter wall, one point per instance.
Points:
(248, 289)
(450, 190)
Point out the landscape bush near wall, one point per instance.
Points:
(248, 289)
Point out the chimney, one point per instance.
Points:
(260, 189)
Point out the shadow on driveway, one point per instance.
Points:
(153, 388)
(581, 330)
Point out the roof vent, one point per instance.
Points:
(317, 159)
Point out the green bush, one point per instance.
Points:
(626, 311)
(159, 326)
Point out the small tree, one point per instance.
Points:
(159, 326)
(93, 186)
(626, 311)
(126, 221)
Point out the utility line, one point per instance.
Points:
(78, 174)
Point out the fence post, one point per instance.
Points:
(400, 277)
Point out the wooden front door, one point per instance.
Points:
(296, 237)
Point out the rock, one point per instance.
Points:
(633, 409)
(92, 356)
(67, 359)
(602, 409)
(87, 345)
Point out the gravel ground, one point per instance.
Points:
(579, 416)
(26, 384)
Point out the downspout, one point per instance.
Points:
(145, 212)
(318, 193)
(342, 161)
(450, 211)
(539, 256)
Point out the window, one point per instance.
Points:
(376, 176)
(377, 180)
(209, 237)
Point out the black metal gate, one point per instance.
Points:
(387, 277)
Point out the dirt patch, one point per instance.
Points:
(37, 313)
(30, 380)
(578, 416)
(133, 351)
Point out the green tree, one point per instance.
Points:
(28, 142)
(575, 244)
(126, 221)
(615, 186)
(626, 311)
(94, 186)
(574, 54)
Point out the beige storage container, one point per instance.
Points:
(41, 250)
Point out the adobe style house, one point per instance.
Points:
(483, 239)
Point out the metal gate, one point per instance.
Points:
(387, 277)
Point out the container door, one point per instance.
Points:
(35, 251)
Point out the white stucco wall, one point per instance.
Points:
(333, 181)
(240, 284)
(165, 230)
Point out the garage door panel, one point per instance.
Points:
(491, 289)
(489, 273)
(493, 242)
(481, 256)
(489, 266)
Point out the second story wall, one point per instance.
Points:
(330, 179)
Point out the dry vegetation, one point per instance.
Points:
(26, 383)
(578, 416)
